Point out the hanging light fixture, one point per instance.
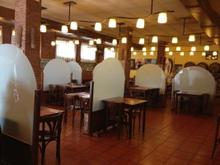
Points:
(73, 25)
(203, 53)
(132, 49)
(134, 53)
(98, 26)
(214, 53)
(153, 48)
(174, 40)
(193, 48)
(112, 23)
(192, 38)
(162, 18)
(144, 49)
(43, 28)
(181, 53)
(206, 47)
(144, 53)
(170, 53)
(114, 42)
(124, 40)
(167, 49)
(154, 39)
(140, 23)
(191, 53)
(64, 29)
(141, 41)
(178, 48)
(151, 53)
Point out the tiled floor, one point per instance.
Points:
(169, 139)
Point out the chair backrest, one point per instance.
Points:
(51, 126)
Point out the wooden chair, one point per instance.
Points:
(51, 94)
(217, 138)
(50, 130)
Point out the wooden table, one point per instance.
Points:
(131, 104)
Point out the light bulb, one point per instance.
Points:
(112, 23)
(170, 53)
(193, 48)
(153, 48)
(114, 42)
(53, 43)
(178, 48)
(214, 53)
(64, 29)
(192, 38)
(191, 53)
(167, 49)
(13, 32)
(73, 25)
(154, 39)
(140, 23)
(144, 49)
(203, 54)
(76, 42)
(141, 41)
(144, 53)
(151, 53)
(206, 47)
(124, 40)
(43, 28)
(98, 41)
(162, 18)
(174, 40)
(132, 49)
(134, 53)
(181, 53)
(98, 26)
(91, 42)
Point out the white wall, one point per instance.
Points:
(76, 71)
(56, 71)
(109, 80)
(151, 76)
(16, 94)
(195, 79)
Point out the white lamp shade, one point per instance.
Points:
(43, 28)
(144, 49)
(114, 42)
(206, 47)
(193, 48)
(141, 41)
(73, 25)
(91, 42)
(64, 29)
(154, 39)
(124, 40)
(112, 23)
(98, 26)
(98, 41)
(140, 23)
(192, 38)
(178, 48)
(162, 18)
(174, 40)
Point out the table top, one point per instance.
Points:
(125, 100)
(45, 111)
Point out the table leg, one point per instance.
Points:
(130, 123)
(144, 119)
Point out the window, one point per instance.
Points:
(88, 53)
(65, 49)
(109, 53)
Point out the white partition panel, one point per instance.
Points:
(109, 79)
(16, 94)
(195, 79)
(76, 71)
(56, 71)
(151, 76)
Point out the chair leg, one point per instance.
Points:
(43, 148)
(139, 121)
(58, 150)
(133, 127)
(216, 138)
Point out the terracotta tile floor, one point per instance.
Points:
(169, 139)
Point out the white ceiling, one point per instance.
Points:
(100, 10)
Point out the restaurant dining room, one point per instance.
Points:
(115, 82)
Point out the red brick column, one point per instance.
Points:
(27, 28)
(161, 53)
(6, 34)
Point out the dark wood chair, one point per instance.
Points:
(51, 94)
(50, 130)
(217, 138)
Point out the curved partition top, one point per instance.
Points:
(76, 71)
(109, 79)
(17, 89)
(56, 71)
(151, 76)
(195, 79)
